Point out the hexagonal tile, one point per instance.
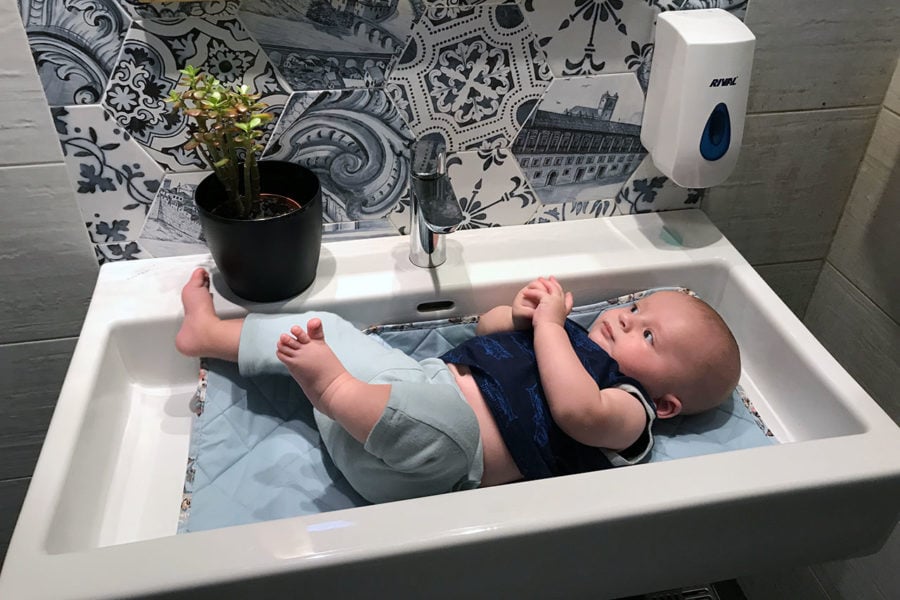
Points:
(736, 7)
(173, 225)
(358, 230)
(450, 5)
(585, 37)
(74, 46)
(175, 11)
(583, 140)
(469, 74)
(490, 188)
(355, 141)
(114, 179)
(648, 190)
(153, 53)
(662, 5)
(573, 211)
(329, 45)
(115, 252)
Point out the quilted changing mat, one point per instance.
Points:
(255, 456)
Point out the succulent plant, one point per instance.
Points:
(226, 129)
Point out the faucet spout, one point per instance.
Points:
(434, 208)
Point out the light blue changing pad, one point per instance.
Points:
(255, 456)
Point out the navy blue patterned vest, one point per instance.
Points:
(505, 368)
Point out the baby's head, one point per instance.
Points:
(676, 346)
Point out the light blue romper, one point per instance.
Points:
(427, 440)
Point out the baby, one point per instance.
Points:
(532, 395)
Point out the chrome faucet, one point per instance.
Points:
(434, 209)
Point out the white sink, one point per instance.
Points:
(101, 513)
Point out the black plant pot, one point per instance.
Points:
(267, 259)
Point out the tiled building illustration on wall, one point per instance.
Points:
(573, 150)
(538, 101)
(331, 45)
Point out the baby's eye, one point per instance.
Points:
(634, 307)
(648, 335)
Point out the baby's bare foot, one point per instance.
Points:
(199, 314)
(312, 363)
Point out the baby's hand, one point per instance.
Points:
(554, 304)
(524, 303)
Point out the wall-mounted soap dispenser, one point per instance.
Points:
(697, 97)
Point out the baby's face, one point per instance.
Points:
(650, 339)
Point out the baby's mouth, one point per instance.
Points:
(607, 330)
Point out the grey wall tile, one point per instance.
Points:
(874, 577)
(12, 492)
(796, 584)
(892, 99)
(31, 375)
(793, 282)
(795, 171)
(47, 271)
(859, 335)
(881, 568)
(46, 268)
(822, 53)
(866, 245)
(26, 133)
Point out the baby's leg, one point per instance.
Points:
(202, 332)
(355, 404)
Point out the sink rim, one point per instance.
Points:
(484, 514)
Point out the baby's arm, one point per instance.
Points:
(609, 418)
(497, 319)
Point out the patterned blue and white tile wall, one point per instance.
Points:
(540, 102)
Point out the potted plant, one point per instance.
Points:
(262, 219)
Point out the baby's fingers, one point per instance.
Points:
(538, 284)
(553, 287)
(534, 295)
(544, 284)
(555, 284)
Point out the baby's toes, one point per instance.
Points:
(315, 329)
(300, 334)
(288, 342)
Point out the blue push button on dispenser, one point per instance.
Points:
(716, 136)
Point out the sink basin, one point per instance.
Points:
(100, 516)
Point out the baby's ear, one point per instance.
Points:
(667, 406)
